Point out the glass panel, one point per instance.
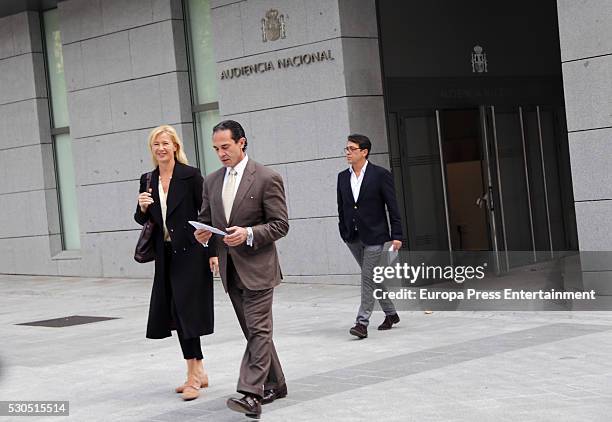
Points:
(55, 64)
(67, 187)
(565, 180)
(538, 197)
(462, 156)
(512, 185)
(396, 169)
(205, 122)
(550, 142)
(424, 197)
(491, 198)
(64, 163)
(204, 75)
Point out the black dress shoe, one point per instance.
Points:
(359, 330)
(249, 405)
(389, 321)
(273, 394)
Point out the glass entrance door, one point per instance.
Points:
(483, 179)
(509, 187)
(425, 205)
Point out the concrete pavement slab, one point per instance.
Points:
(444, 366)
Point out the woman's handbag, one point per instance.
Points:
(145, 248)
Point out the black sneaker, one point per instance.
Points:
(389, 321)
(359, 330)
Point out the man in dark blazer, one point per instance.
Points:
(247, 200)
(365, 195)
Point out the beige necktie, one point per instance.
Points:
(228, 192)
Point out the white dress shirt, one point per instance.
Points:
(239, 172)
(163, 196)
(239, 168)
(356, 181)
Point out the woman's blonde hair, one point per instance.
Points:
(179, 154)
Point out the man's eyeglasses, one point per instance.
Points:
(351, 149)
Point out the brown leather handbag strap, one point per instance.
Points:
(149, 175)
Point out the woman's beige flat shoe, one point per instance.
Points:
(191, 389)
(203, 384)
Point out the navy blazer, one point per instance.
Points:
(368, 214)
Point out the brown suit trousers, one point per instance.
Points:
(260, 368)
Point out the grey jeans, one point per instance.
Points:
(369, 256)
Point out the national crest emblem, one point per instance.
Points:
(273, 26)
(479, 60)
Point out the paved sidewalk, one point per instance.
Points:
(446, 366)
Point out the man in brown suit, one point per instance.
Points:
(247, 200)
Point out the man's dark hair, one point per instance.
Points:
(361, 140)
(235, 128)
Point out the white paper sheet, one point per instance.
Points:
(198, 225)
(392, 254)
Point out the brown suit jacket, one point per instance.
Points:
(260, 204)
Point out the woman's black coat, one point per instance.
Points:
(191, 279)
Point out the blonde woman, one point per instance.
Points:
(182, 294)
